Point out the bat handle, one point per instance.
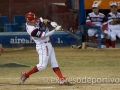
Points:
(48, 22)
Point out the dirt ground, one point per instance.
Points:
(85, 69)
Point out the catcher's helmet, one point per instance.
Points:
(31, 17)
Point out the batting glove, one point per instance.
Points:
(58, 28)
(54, 24)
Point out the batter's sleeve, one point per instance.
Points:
(48, 34)
(37, 33)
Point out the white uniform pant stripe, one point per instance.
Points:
(46, 53)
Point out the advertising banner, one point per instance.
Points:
(105, 4)
(18, 39)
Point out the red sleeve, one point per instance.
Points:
(104, 27)
(90, 23)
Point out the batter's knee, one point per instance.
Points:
(41, 67)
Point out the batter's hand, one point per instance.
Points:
(54, 24)
(45, 21)
(58, 28)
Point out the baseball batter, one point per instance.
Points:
(95, 18)
(37, 29)
(113, 21)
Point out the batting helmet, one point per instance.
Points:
(31, 17)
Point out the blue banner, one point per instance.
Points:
(15, 39)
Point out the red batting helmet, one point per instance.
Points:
(31, 17)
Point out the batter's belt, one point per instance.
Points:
(47, 41)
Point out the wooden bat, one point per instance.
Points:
(72, 34)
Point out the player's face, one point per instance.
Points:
(114, 9)
(95, 10)
(32, 23)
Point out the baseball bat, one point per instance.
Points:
(72, 34)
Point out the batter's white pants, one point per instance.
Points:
(46, 53)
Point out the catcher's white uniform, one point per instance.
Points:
(40, 34)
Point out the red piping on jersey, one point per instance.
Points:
(33, 31)
(42, 33)
(47, 50)
(41, 57)
(104, 27)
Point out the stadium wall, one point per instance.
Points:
(55, 10)
(19, 39)
(18, 7)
